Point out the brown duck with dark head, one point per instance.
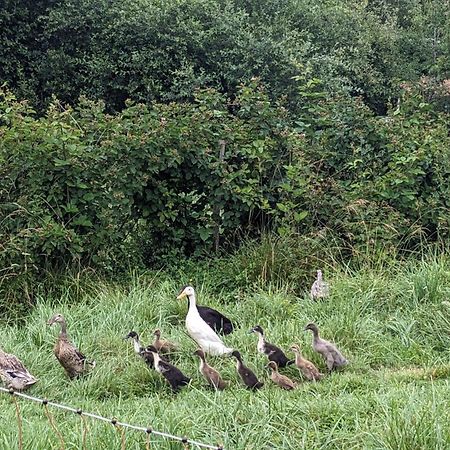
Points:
(247, 375)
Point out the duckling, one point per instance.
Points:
(216, 320)
(138, 348)
(212, 375)
(319, 289)
(199, 330)
(161, 345)
(305, 367)
(172, 374)
(281, 380)
(13, 373)
(246, 374)
(328, 350)
(72, 360)
(272, 352)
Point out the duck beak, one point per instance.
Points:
(182, 295)
(50, 322)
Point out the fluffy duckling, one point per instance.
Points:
(319, 289)
(272, 352)
(333, 357)
(305, 367)
(281, 380)
(172, 374)
(161, 345)
(212, 375)
(246, 374)
(13, 373)
(199, 330)
(72, 360)
(216, 320)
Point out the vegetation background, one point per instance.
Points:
(243, 145)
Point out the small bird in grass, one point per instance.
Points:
(174, 376)
(272, 352)
(281, 380)
(138, 347)
(305, 367)
(13, 373)
(72, 360)
(161, 345)
(319, 289)
(212, 375)
(246, 374)
(333, 357)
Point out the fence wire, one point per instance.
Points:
(120, 426)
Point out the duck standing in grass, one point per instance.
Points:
(13, 373)
(138, 348)
(305, 367)
(281, 380)
(216, 320)
(199, 330)
(172, 374)
(319, 289)
(161, 345)
(333, 357)
(211, 375)
(72, 360)
(247, 375)
(272, 352)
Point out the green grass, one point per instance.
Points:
(392, 324)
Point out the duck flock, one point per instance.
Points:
(205, 326)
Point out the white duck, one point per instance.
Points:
(199, 330)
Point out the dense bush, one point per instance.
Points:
(82, 187)
(149, 50)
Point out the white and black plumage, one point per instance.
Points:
(247, 375)
(333, 357)
(272, 352)
(216, 320)
(73, 361)
(13, 373)
(319, 289)
(172, 374)
(199, 330)
(138, 347)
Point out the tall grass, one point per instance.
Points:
(393, 325)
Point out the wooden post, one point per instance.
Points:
(222, 145)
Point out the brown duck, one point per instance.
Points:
(13, 373)
(161, 345)
(212, 375)
(247, 375)
(281, 380)
(305, 367)
(72, 360)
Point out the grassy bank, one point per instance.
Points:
(393, 325)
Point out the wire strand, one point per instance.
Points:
(45, 402)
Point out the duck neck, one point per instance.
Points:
(298, 357)
(261, 341)
(63, 331)
(137, 345)
(315, 333)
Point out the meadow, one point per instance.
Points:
(391, 322)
